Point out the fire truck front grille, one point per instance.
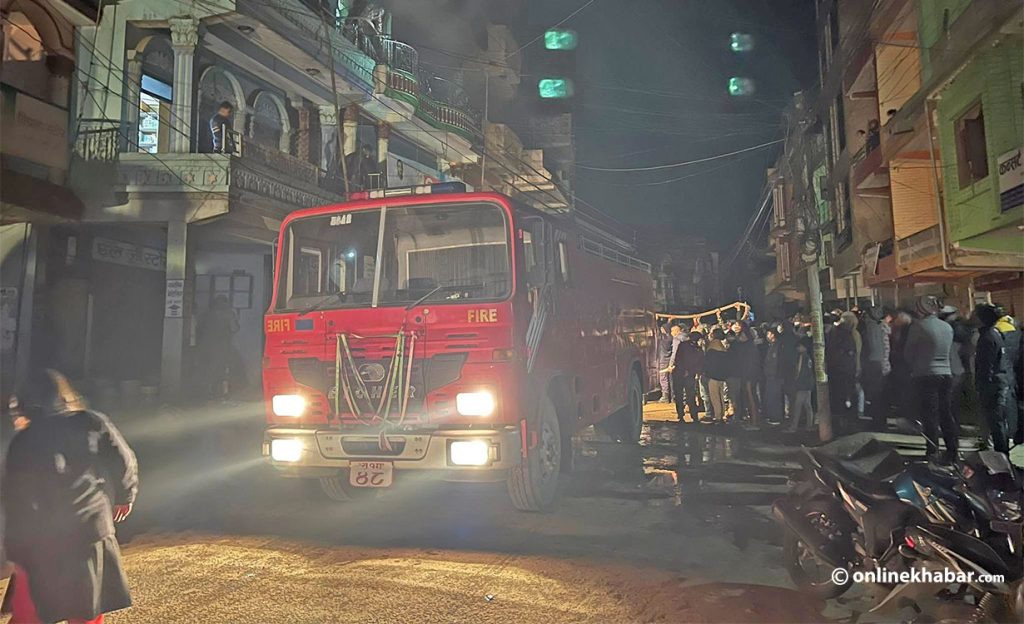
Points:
(427, 375)
(371, 448)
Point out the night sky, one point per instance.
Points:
(654, 77)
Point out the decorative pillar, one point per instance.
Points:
(133, 88)
(329, 141)
(383, 134)
(300, 134)
(351, 128)
(173, 345)
(184, 38)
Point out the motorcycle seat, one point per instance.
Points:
(860, 483)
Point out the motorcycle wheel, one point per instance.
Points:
(806, 572)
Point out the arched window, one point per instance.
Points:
(215, 86)
(270, 122)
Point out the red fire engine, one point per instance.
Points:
(426, 331)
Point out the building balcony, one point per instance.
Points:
(870, 173)
(253, 188)
(919, 252)
(444, 105)
(879, 265)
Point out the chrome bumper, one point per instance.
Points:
(326, 451)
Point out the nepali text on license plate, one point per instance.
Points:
(371, 474)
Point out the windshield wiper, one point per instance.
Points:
(320, 304)
(426, 296)
(450, 289)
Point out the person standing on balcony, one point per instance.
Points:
(928, 344)
(220, 129)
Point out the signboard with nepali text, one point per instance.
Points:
(1011, 180)
(128, 254)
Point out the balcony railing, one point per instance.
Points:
(98, 140)
(444, 104)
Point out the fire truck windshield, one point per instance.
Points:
(395, 256)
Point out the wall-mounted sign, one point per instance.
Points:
(37, 132)
(1011, 180)
(128, 254)
(174, 299)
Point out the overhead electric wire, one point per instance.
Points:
(559, 23)
(684, 163)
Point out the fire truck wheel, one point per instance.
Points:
(533, 484)
(624, 425)
(631, 417)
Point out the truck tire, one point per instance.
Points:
(626, 424)
(631, 417)
(533, 484)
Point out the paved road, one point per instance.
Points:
(675, 529)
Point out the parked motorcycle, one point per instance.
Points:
(844, 514)
(994, 592)
(858, 495)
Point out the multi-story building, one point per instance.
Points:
(922, 119)
(118, 256)
(684, 268)
(36, 78)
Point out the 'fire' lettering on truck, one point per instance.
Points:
(278, 325)
(482, 316)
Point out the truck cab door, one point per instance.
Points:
(537, 269)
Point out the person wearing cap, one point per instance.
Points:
(1012, 336)
(928, 344)
(875, 367)
(993, 370)
(842, 359)
(68, 477)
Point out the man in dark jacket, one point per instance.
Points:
(1012, 339)
(687, 365)
(68, 477)
(772, 401)
(842, 360)
(992, 374)
(928, 345)
(875, 364)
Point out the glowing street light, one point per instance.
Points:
(741, 42)
(739, 86)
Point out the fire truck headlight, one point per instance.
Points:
(480, 403)
(289, 404)
(286, 450)
(469, 452)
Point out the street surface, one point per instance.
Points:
(677, 529)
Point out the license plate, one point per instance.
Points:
(371, 474)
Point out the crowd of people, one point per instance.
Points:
(930, 364)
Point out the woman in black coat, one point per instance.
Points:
(68, 477)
